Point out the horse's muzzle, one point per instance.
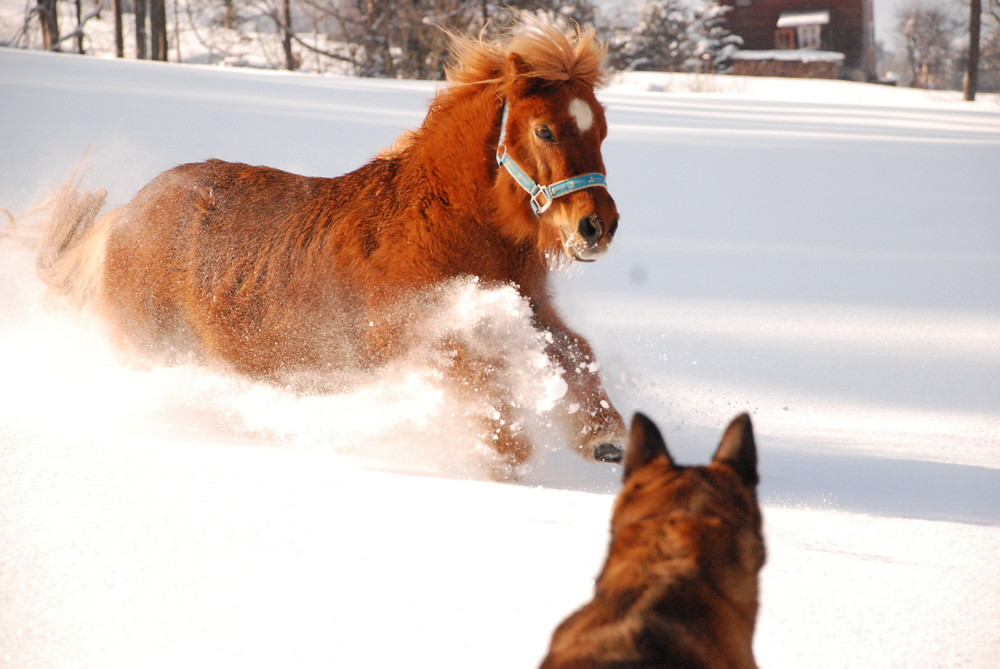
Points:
(591, 238)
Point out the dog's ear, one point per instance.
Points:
(645, 444)
(739, 451)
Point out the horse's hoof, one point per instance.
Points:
(609, 453)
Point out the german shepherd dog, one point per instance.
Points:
(679, 587)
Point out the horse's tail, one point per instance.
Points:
(71, 248)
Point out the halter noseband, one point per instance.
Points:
(542, 196)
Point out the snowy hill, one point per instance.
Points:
(824, 255)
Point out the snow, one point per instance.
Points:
(824, 255)
(798, 55)
(796, 19)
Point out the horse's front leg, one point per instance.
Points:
(481, 378)
(594, 426)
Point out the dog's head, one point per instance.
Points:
(689, 525)
(679, 587)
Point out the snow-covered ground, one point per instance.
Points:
(824, 255)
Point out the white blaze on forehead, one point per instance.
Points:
(582, 114)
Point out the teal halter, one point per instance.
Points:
(542, 196)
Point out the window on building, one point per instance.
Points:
(784, 38)
(809, 37)
(802, 30)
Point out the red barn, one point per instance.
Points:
(840, 26)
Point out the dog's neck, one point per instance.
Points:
(683, 618)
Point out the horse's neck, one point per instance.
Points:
(456, 147)
(451, 162)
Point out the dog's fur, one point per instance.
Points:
(679, 587)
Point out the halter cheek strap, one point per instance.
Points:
(542, 196)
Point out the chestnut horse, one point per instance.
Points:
(275, 275)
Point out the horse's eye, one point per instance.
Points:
(544, 134)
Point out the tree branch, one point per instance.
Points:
(78, 30)
(323, 52)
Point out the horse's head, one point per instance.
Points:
(551, 165)
(550, 185)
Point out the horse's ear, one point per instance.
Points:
(739, 451)
(645, 444)
(515, 76)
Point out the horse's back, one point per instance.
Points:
(213, 258)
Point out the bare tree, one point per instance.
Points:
(989, 47)
(929, 33)
(157, 30)
(381, 38)
(77, 32)
(119, 31)
(48, 18)
(230, 15)
(408, 39)
(286, 34)
(140, 28)
(971, 80)
(401, 38)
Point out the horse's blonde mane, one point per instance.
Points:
(550, 52)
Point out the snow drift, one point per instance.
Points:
(823, 255)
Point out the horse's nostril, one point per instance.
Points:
(590, 227)
(613, 228)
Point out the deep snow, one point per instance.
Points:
(822, 254)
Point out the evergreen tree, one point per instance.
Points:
(659, 40)
(712, 45)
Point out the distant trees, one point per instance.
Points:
(404, 38)
(989, 47)
(152, 43)
(658, 40)
(373, 38)
(674, 36)
(150, 29)
(939, 45)
(984, 73)
(929, 32)
(394, 38)
(46, 13)
(399, 39)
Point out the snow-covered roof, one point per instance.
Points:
(797, 19)
(802, 55)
